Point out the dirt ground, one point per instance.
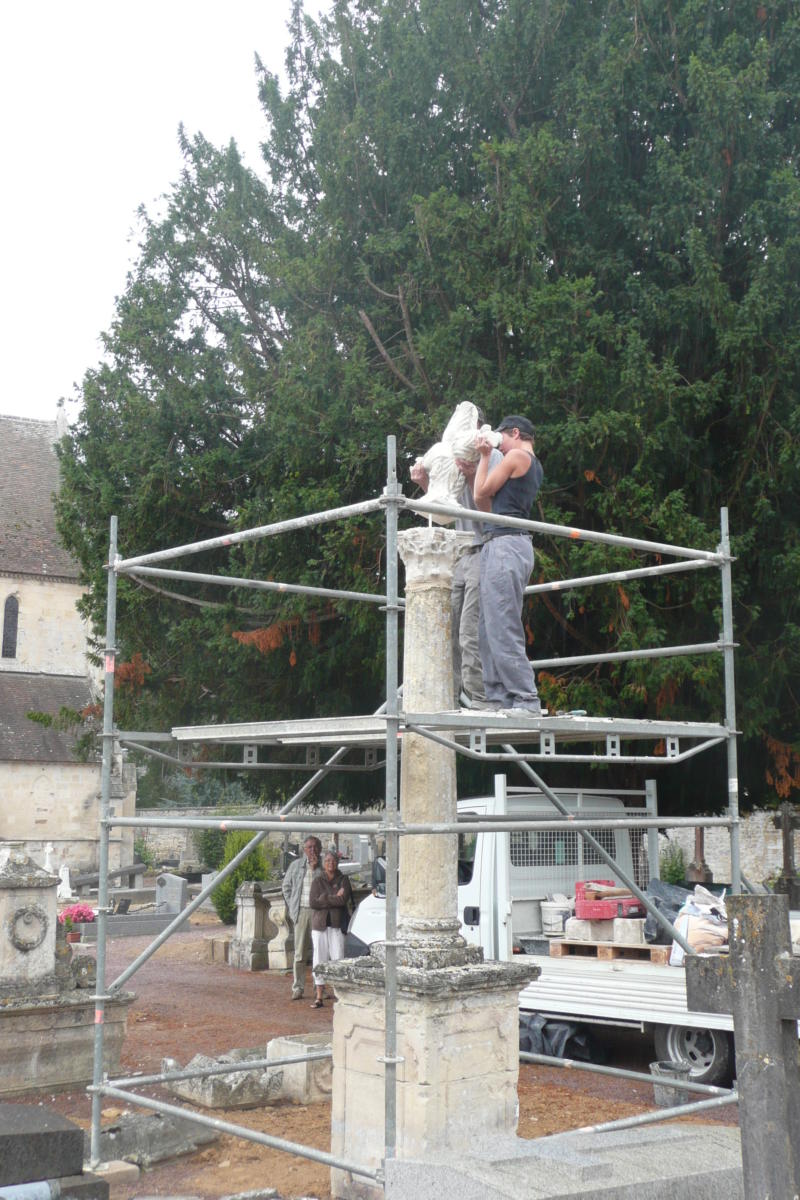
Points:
(186, 1005)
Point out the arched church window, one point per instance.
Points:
(10, 621)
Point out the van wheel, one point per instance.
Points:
(709, 1052)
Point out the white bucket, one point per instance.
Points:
(554, 918)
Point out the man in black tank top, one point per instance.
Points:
(509, 488)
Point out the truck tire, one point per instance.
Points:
(709, 1052)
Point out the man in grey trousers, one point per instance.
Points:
(466, 600)
(296, 887)
(467, 674)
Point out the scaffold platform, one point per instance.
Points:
(477, 734)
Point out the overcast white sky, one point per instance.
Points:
(91, 96)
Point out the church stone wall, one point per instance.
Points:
(51, 635)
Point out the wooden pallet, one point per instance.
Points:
(643, 952)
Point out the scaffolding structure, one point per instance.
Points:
(322, 744)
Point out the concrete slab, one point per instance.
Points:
(690, 1162)
(129, 925)
(147, 1138)
(116, 1173)
(86, 1186)
(258, 1194)
(36, 1144)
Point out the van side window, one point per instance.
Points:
(466, 855)
(543, 848)
(606, 839)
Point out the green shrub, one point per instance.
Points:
(254, 867)
(209, 845)
(142, 852)
(672, 864)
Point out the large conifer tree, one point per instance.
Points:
(585, 212)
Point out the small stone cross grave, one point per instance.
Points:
(759, 983)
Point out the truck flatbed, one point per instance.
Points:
(615, 991)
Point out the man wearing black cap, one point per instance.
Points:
(509, 488)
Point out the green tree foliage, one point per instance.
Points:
(585, 212)
(255, 867)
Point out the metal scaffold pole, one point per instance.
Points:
(730, 700)
(105, 794)
(392, 727)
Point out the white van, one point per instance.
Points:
(530, 866)
(504, 878)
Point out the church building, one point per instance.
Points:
(47, 795)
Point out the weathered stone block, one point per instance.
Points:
(218, 949)
(239, 1089)
(629, 930)
(248, 955)
(306, 1082)
(50, 1045)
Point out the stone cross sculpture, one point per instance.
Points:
(759, 982)
(787, 820)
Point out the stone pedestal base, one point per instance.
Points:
(48, 1045)
(249, 954)
(458, 1036)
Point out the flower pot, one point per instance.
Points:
(73, 935)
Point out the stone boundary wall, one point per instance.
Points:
(179, 843)
(761, 847)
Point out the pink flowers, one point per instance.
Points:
(76, 914)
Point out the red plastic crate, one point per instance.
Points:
(605, 910)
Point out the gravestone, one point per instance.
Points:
(41, 1153)
(47, 1012)
(248, 950)
(759, 983)
(27, 925)
(171, 894)
(64, 891)
(206, 878)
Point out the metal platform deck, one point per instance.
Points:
(483, 735)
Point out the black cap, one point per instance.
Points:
(521, 423)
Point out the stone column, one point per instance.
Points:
(457, 1017)
(428, 915)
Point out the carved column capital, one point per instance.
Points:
(429, 556)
